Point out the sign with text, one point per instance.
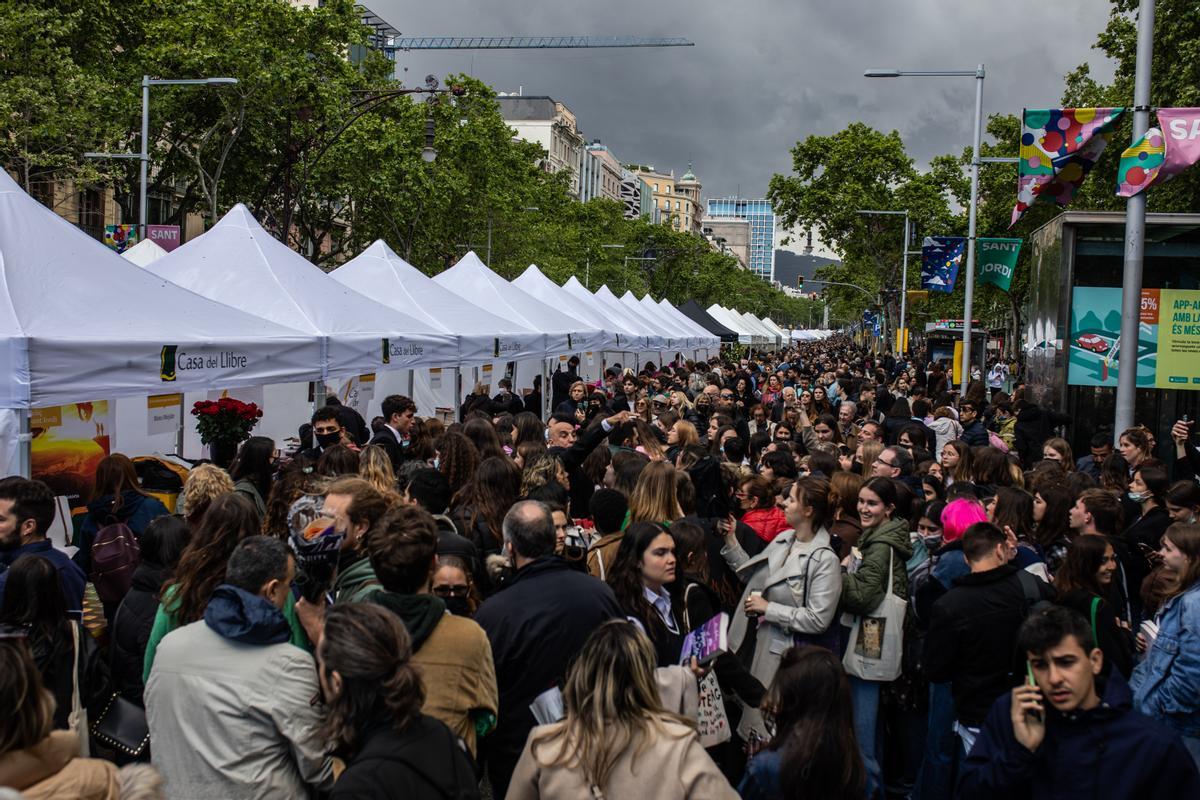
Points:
(164, 413)
(165, 236)
(998, 261)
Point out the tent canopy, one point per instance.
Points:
(471, 279)
(735, 322)
(671, 312)
(757, 325)
(144, 252)
(378, 272)
(78, 322)
(657, 340)
(653, 311)
(239, 263)
(641, 339)
(674, 339)
(534, 282)
(692, 310)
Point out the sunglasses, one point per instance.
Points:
(458, 590)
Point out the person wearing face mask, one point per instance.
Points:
(327, 432)
(1143, 536)
(536, 627)
(232, 677)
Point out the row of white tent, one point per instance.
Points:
(235, 307)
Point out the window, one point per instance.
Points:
(91, 213)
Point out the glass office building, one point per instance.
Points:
(761, 217)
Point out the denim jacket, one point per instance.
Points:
(1166, 685)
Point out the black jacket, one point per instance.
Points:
(425, 761)
(1032, 429)
(55, 657)
(1110, 751)
(975, 435)
(582, 488)
(537, 625)
(972, 638)
(560, 385)
(1114, 641)
(387, 440)
(130, 631)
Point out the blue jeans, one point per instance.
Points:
(935, 781)
(865, 695)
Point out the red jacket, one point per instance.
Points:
(766, 522)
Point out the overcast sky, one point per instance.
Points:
(765, 73)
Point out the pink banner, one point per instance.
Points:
(165, 236)
(1181, 128)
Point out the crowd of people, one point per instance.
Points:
(820, 574)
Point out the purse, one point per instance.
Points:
(77, 720)
(122, 727)
(875, 646)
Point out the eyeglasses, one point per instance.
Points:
(725, 396)
(885, 463)
(458, 590)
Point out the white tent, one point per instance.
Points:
(534, 282)
(239, 263)
(682, 338)
(656, 340)
(378, 272)
(674, 339)
(470, 278)
(756, 324)
(78, 322)
(658, 312)
(144, 252)
(781, 331)
(735, 323)
(642, 340)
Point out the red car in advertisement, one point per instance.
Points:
(1092, 342)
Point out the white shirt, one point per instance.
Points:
(662, 604)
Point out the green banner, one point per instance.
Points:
(998, 260)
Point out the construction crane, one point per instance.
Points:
(531, 42)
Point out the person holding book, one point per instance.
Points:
(644, 567)
(791, 591)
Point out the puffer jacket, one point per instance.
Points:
(130, 630)
(1165, 685)
(229, 704)
(863, 589)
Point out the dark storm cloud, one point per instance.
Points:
(764, 74)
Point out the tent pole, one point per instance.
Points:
(546, 389)
(25, 444)
(458, 394)
(412, 383)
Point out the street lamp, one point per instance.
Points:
(969, 293)
(904, 276)
(144, 155)
(428, 153)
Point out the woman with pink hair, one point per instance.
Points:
(950, 562)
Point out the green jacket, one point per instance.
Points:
(166, 621)
(863, 590)
(355, 581)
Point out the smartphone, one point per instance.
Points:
(1032, 682)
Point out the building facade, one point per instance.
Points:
(601, 174)
(677, 202)
(551, 124)
(638, 197)
(730, 236)
(761, 217)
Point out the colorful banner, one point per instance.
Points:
(941, 256)
(1178, 340)
(120, 237)
(1059, 146)
(998, 261)
(1162, 153)
(165, 236)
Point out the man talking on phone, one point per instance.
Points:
(1067, 732)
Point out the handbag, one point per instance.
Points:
(122, 727)
(77, 720)
(875, 646)
(831, 637)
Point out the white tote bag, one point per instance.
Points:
(77, 720)
(876, 639)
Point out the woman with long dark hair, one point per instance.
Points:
(484, 437)
(479, 507)
(616, 740)
(814, 752)
(645, 565)
(117, 497)
(253, 470)
(162, 545)
(1052, 523)
(337, 462)
(33, 599)
(1083, 581)
(528, 428)
(457, 459)
(899, 417)
(229, 519)
(373, 697)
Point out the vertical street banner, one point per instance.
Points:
(1059, 147)
(941, 256)
(1162, 152)
(165, 236)
(998, 261)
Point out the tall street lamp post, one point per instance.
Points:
(969, 292)
(144, 155)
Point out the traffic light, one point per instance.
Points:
(800, 282)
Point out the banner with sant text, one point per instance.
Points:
(998, 261)
(1162, 152)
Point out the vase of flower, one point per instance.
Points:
(223, 425)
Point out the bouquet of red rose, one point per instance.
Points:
(225, 421)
